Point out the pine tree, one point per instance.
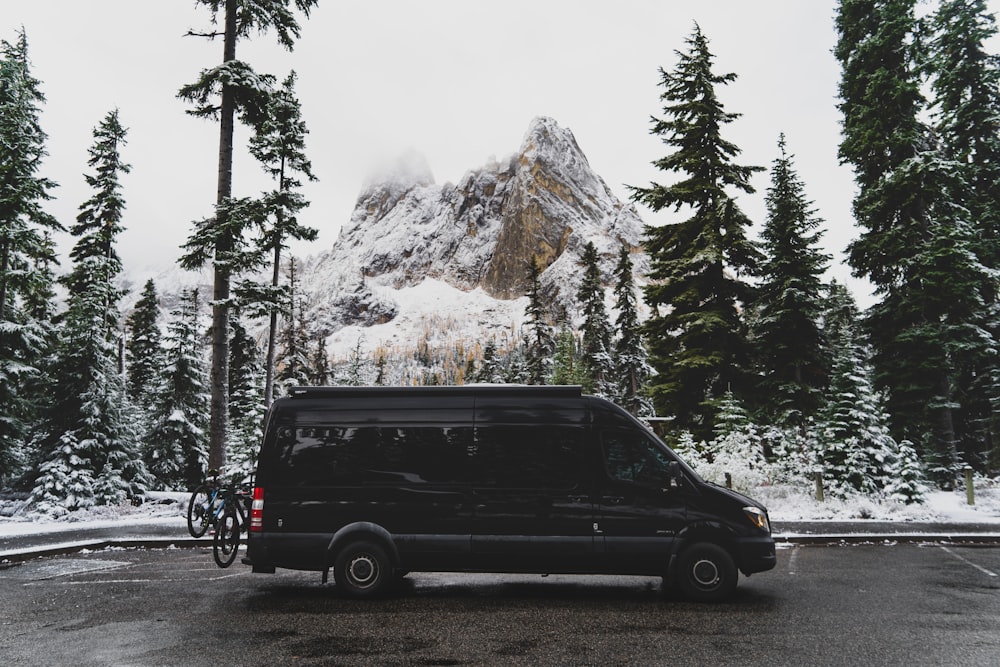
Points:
(292, 365)
(279, 145)
(789, 301)
(89, 405)
(930, 330)
(905, 476)
(697, 337)
(99, 223)
(26, 254)
(111, 423)
(23, 223)
(491, 370)
(357, 368)
(918, 247)
(632, 368)
(89, 433)
(34, 334)
(539, 344)
(144, 349)
(177, 442)
(568, 367)
(516, 368)
(222, 93)
(598, 364)
(736, 455)
(793, 452)
(852, 427)
(246, 402)
(965, 79)
(64, 483)
(320, 371)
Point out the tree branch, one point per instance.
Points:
(210, 35)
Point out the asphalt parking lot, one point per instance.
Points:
(886, 604)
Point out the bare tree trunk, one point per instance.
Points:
(4, 262)
(946, 423)
(275, 279)
(219, 379)
(273, 331)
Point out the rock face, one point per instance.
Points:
(544, 203)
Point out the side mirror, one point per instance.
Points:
(674, 471)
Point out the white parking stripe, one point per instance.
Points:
(969, 562)
(792, 559)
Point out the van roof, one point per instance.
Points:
(550, 391)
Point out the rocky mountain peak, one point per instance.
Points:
(389, 182)
(555, 200)
(544, 204)
(547, 143)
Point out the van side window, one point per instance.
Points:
(360, 455)
(630, 456)
(530, 456)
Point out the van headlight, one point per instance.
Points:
(758, 517)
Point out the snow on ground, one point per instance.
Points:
(431, 309)
(166, 508)
(784, 505)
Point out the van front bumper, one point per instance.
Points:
(756, 554)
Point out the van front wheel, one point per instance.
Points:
(362, 570)
(706, 573)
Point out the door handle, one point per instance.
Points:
(578, 499)
(613, 500)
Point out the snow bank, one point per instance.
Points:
(788, 504)
(160, 508)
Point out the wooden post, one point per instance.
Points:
(970, 490)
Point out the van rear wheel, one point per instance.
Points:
(363, 570)
(706, 573)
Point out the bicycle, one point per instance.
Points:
(205, 505)
(226, 541)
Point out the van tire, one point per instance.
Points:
(362, 570)
(706, 573)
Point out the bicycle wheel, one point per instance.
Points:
(198, 514)
(226, 541)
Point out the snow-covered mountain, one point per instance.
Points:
(415, 251)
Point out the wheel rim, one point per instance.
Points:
(705, 574)
(229, 535)
(363, 571)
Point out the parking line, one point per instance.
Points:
(792, 560)
(969, 562)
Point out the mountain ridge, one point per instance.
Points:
(476, 237)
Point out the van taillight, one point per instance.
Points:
(257, 510)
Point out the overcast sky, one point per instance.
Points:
(456, 80)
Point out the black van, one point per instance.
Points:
(376, 482)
